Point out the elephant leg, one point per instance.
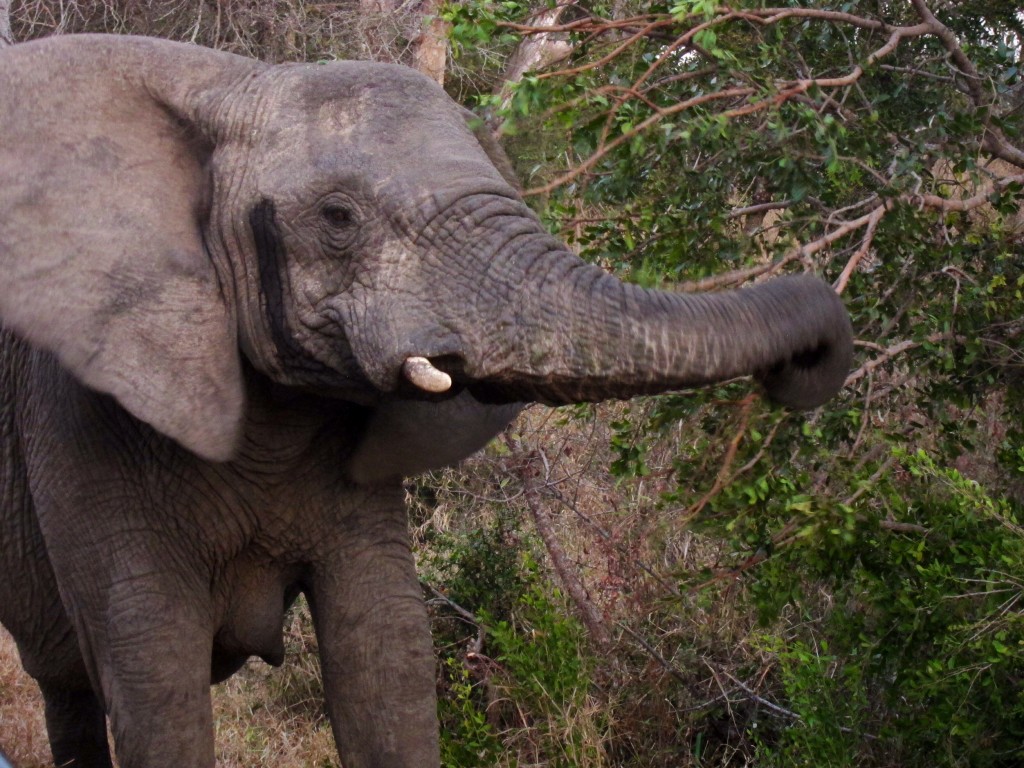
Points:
(76, 726)
(374, 638)
(152, 659)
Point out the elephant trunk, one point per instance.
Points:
(557, 330)
(618, 341)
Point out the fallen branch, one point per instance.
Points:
(467, 616)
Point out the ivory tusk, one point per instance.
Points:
(424, 375)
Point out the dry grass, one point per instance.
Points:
(274, 717)
(255, 729)
(265, 29)
(22, 727)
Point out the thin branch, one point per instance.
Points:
(869, 235)
(651, 651)
(736, 276)
(601, 152)
(844, 229)
(735, 213)
(574, 588)
(890, 353)
(898, 527)
(724, 476)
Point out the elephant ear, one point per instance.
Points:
(104, 189)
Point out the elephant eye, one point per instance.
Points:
(336, 215)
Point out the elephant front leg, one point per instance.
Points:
(151, 656)
(375, 649)
(76, 726)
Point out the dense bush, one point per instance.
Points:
(871, 551)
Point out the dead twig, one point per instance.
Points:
(566, 572)
(724, 476)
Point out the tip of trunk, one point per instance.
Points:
(816, 370)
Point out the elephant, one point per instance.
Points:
(241, 302)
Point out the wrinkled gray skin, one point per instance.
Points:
(213, 271)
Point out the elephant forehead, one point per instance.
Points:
(360, 91)
(378, 124)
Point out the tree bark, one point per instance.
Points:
(5, 24)
(536, 51)
(430, 49)
(539, 50)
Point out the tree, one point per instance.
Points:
(879, 144)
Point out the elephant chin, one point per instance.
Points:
(499, 394)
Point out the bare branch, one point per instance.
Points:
(735, 213)
(566, 572)
(977, 200)
(737, 276)
(891, 352)
(869, 234)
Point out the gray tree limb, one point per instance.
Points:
(6, 38)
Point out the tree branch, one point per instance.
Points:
(891, 352)
(869, 234)
(566, 572)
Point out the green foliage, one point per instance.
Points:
(827, 696)
(924, 627)
(477, 24)
(886, 582)
(486, 569)
(467, 738)
(530, 680)
(546, 670)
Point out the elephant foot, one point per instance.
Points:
(77, 727)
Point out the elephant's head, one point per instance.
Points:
(163, 207)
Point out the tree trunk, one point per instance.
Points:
(539, 50)
(430, 49)
(5, 23)
(535, 52)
